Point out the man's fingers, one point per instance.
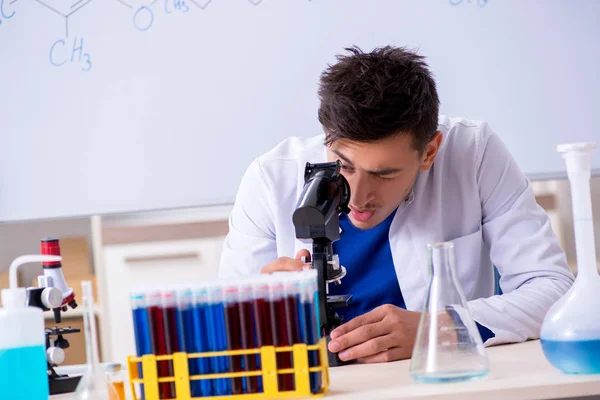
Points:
(393, 354)
(283, 264)
(358, 336)
(303, 253)
(371, 317)
(369, 348)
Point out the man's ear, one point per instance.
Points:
(430, 151)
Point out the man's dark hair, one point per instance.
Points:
(367, 97)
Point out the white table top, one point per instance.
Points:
(517, 371)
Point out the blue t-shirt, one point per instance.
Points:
(371, 278)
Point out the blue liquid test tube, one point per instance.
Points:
(309, 298)
(185, 309)
(201, 332)
(217, 336)
(142, 329)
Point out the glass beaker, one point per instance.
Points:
(570, 334)
(117, 379)
(448, 346)
(94, 384)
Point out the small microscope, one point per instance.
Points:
(53, 294)
(325, 195)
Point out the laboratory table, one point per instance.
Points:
(517, 371)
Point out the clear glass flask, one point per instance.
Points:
(448, 346)
(570, 334)
(94, 384)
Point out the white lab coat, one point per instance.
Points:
(474, 195)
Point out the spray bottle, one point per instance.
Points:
(22, 341)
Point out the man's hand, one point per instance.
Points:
(289, 264)
(384, 334)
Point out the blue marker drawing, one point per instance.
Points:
(3, 13)
(77, 49)
(56, 64)
(480, 3)
(59, 54)
(177, 5)
(143, 25)
(88, 63)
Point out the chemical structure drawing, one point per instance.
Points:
(70, 50)
(5, 12)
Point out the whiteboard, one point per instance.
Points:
(113, 106)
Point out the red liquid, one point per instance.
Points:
(232, 326)
(171, 322)
(247, 336)
(292, 322)
(282, 336)
(159, 335)
(264, 330)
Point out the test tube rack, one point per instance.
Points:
(268, 372)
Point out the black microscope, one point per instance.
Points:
(325, 195)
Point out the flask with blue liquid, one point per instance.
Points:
(570, 334)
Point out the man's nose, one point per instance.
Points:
(361, 191)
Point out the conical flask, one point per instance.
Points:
(570, 334)
(94, 384)
(448, 346)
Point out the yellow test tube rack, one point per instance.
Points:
(268, 372)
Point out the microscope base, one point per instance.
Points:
(334, 360)
(63, 384)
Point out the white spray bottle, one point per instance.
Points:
(22, 341)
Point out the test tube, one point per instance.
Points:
(142, 328)
(168, 301)
(200, 339)
(185, 307)
(217, 335)
(159, 336)
(281, 322)
(233, 329)
(308, 299)
(262, 317)
(245, 294)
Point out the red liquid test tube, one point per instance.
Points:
(281, 334)
(233, 329)
(159, 336)
(247, 333)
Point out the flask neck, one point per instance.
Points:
(444, 290)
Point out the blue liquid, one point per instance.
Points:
(194, 328)
(448, 377)
(573, 357)
(201, 345)
(143, 338)
(23, 373)
(312, 337)
(217, 341)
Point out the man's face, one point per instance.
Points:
(381, 174)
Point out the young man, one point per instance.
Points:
(414, 179)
